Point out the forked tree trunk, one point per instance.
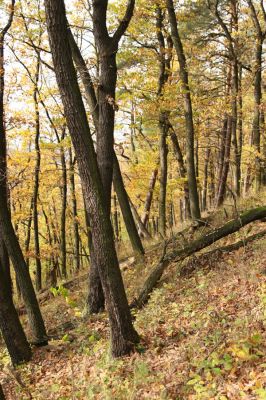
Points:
(123, 335)
(95, 290)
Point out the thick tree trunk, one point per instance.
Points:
(10, 326)
(95, 286)
(191, 173)
(123, 335)
(196, 245)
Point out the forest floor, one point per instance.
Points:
(203, 336)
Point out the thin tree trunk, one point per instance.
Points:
(38, 281)
(163, 173)
(148, 201)
(205, 181)
(74, 211)
(126, 210)
(223, 181)
(63, 189)
(191, 173)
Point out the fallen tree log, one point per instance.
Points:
(213, 255)
(196, 245)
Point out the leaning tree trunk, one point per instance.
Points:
(123, 335)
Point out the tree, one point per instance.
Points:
(123, 335)
(6, 228)
(192, 182)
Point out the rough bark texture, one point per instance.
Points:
(123, 335)
(196, 245)
(10, 326)
(94, 283)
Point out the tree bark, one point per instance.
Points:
(10, 326)
(123, 335)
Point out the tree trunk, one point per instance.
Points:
(74, 211)
(10, 326)
(95, 289)
(123, 335)
(182, 169)
(6, 227)
(205, 182)
(126, 210)
(148, 201)
(163, 148)
(191, 173)
(223, 181)
(38, 275)
(63, 189)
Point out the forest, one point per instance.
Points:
(132, 199)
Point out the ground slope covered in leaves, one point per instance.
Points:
(203, 337)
